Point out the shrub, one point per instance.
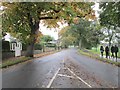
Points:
(38, 47)
(5, 45)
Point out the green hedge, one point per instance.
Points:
(50, 45)
(38, 47)
(5, 45)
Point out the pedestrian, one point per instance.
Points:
(107, 51)
(101, 50)
(112, 51)
(116, 51)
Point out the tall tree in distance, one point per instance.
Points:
(46, 38)
(85, 34)
(66, 38)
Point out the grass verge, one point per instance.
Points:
(11, 62)
(96, 56)
(97, 51)
(14, 61)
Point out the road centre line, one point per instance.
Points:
(80, 78)
(65, 76)
(51, 81)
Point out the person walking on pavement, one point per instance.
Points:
(107, 51)
(116, 51)
(101, 50)
(112, 51)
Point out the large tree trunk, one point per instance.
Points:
(30, 48)
(110, 37)
(43, 48)
(80, 44)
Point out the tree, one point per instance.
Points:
(65, 37)
(109, 15)
(96, 34)
(111, 35)
(24, 17)
(86, 33)
(46, 38)
(109, 18)
(80, 31)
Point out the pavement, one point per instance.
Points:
(111, 58)
(64, 69)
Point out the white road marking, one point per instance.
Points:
(65, 76)
(63, 61)
(51, 81)
(80, 78)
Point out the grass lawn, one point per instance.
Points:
(119, 53)
(96, 51)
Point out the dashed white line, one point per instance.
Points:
(80, 78)
(51, 81)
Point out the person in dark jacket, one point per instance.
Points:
(116, 50)
(107, 51)
(112, 51)
(101, 50)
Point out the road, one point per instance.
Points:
(64, 69)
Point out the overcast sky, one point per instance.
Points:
(53, 31)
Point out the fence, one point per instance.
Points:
(11, 54)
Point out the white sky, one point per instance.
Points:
(96, 8)
(53, 31)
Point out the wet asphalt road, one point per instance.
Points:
(65, 69)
